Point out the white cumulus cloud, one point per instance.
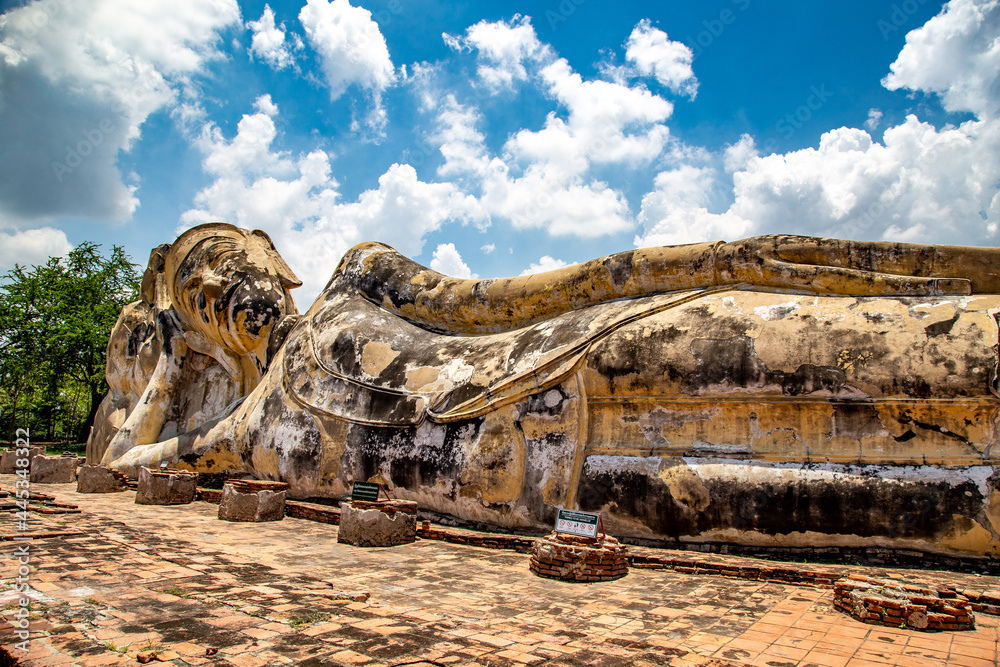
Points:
(502, 49)
(653, 54)
(269, 41)
(545, 263)
(79, 79)
(448, 261)
(31, 247)
(956, 54)
(920, 183)
(296, 200)
(545, 178)
(352, 51)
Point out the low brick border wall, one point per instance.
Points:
(895, 604)
(762, 572)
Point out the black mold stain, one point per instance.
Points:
(619, 266)
(863, 506)
(733, 362)
(139, 335)
(856, 419)
(940, 328)
(906, 418)
(536, 403)
(633, 357)
(371, 449)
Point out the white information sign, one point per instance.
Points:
(583, 524)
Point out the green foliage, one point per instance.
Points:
(55, 320)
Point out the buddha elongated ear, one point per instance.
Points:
(153, 289)
(285, 273)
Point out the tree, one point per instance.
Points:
(55, 320)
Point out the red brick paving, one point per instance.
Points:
(178, 581)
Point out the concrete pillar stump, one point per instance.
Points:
(252, 500)
(164, 486)
(572, 558)
(381, 523)
(53, 469)
(99, 479)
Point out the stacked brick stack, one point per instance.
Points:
(255, 485)
(572, 558)
(987, 602)
(894, 604)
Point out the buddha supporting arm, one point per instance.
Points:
(823, 266)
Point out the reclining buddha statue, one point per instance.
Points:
(780, 390)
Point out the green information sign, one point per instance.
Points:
(583, 524)
(365, 491)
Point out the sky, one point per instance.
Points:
(495, 139)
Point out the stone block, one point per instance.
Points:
(378, 524)
(8, 460)
(165, 486)
(99, 479)
(242, 502)
(53, 469)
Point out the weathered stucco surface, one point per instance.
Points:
(779, 390)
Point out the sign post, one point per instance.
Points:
(368, 491)
(582, 524)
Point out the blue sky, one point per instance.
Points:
(491, 139)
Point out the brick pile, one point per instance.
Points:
(895, 604)
(986, 602)
(572, 558)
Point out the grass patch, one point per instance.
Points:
(300, 621)
(174, 590)
(116, 649)
(78, 448)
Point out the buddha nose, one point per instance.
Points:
(260, 301)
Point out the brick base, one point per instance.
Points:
(894, 604)
(571, 558)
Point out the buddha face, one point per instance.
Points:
(232, 287)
